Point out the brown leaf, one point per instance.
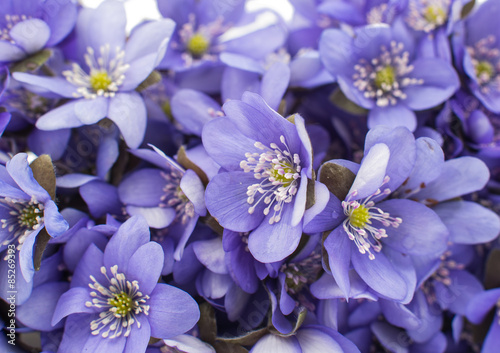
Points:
(43, 172)
(247, 340)
(338, 179)
(207, 323)
(183, 160)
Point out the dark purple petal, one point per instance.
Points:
(101, 198)
(459, 293)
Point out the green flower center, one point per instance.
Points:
(385, 77)
(287, 169)
(198, 45)
(484, 69)
(122, 302)
(359, 217)
(100, 81)
(435, 14)
(30, 216)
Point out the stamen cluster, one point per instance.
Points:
(427, 15)
(279, 170)
(174, 197)
(359, 226)
(384, 77)
(486, 61)
(121, 302)
(106, 73)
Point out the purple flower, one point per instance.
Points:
(480, 54)
(373, 230)
(106, 71)
(262, 184)
(30, 26)
(378, 70)
(25, 208)
(115, 303)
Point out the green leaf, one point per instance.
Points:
(339, 99)
(33, 62)
(338, 179)
(183, 160)
(153, 78)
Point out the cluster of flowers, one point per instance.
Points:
(326, 184)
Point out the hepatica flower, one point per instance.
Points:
(263, 180)
(379, 70)
(31, 25)
(25, 209)
(102, 80)
(481, 57)
(115, 303)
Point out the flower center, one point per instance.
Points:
(174, 196)
(485, 58)
(29, 216)
(279, 172)
(106, 73)
(121, 302)
(435, 14)
(100, 80)
(23, 217)
(384, 77)
(427, 15)
(359, 217)
(359, 222)
(198, 45)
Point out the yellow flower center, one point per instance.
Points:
(435, 14)
(484, 69)
(122, 302)
(385, 77)
(198, 45)
(281, 177)
(359, 217)
(100, 80)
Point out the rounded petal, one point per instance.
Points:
(481, 304)
(392, 116)
(145, 266)
(226, 200)
(172, 312)
(31, 34)
(19, 169)
(128, 112)
(313, 341)
(468, 222)
(276, 344)
(440, 81)
(274, 242)
(54, 221)
(338, 247)
(142, 188)
(72, 302)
